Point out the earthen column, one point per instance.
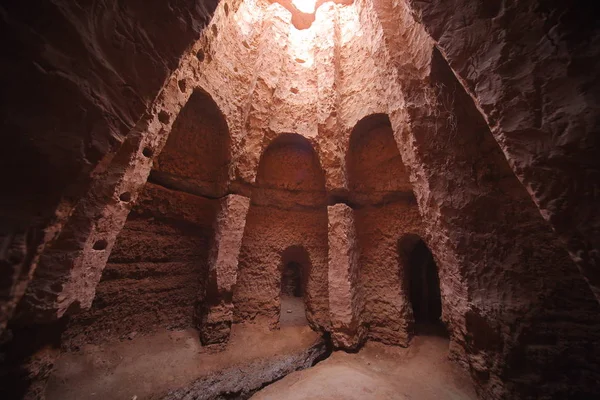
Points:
(216, 309)
(344, 295)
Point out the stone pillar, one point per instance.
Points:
(216, 309)
(345, 302)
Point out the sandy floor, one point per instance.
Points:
(149, 365)
(292, 311)
(420, 372)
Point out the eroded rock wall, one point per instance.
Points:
(288, 209)
(216, 302)
(269, 232)
(87, 73)
(196, 156)
(385, 211)
(346, 299)
(531, 68)
(156, 271)
(71, 266)
(382, 274)
(442, 131)
(510, 262)
(166, 240)
(516, 309)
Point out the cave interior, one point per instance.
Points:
(300, 199)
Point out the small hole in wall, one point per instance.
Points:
(100, 245)
(226, 8)
(214, 30)
(126, 197)
(147, 152)
(182, 85)
(164, 117)
(235, 69)
(299, 60)
(294, 90)
(200, 55)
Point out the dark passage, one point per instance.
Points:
(291, 280)
(424, 285)
(295, 268)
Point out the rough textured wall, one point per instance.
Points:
(516, 309)
(77, 77)
(290, 175)
(166, 240)
(156, 270)
(287, 209)
(531, 68)
(75, 269)
(216, 308)
(346, 300)
(388, 310)
(385, 210)
(196, 156)
(269, 232)
(511, 265)
(71, 266)
(450, 165)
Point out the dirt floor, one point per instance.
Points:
(150, 366)
(293, 312)
(419, 372)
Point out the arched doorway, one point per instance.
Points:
(385, 209)
(291, 280)
(295, 269)
(422, 283)
(286, 221)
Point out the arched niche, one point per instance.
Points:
(290, 174)
(287, 220)
(384, 209)
(374, 166)
(197, 154)
(168, 233)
